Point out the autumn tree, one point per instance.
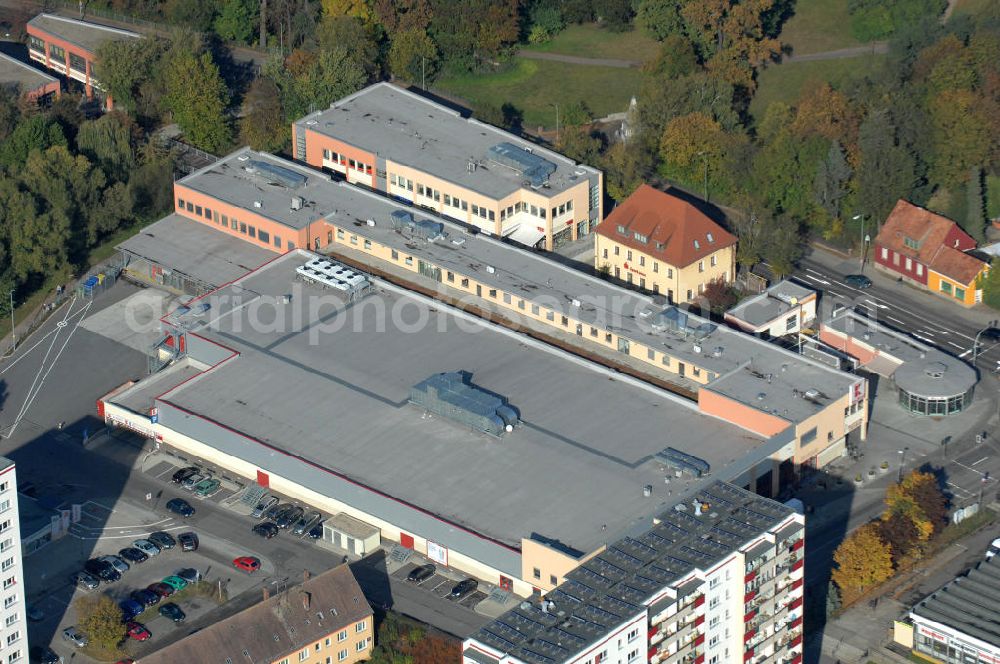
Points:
(413, 56)
(626, 166)
(863, 561)
(925, 492)
(100, 618)
(733, 36)
(694, 149)
(719, 295)
(262, 125)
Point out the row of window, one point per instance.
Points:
(343, 160)
(948, 289)
(233, 224)
(896, 261)
(712, 260)
(537, 573)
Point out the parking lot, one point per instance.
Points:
(439, 585)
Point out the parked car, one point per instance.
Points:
(858, 281)
(266, 503)
(308, 520)
(145, 597)
(247, 563)
(161, 589)
(109, 574)
(422, 573)
(274, 511)
(189, 482)
(267, 529)
(183, 474)
(993, 548)
(289, 517)
(133, 555)
(208, 488)
(130, 609)
(175, 582)
(316, 532)
(43, 655)
(172, 612)
(138, 631)
(146, 547)
(116, 562)
(463, 588)
(85, 580)
(189, 574)
(95, 566)
(75, 636)
(188, 541)
(180, 506)
(163, 540)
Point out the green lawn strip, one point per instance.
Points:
(533, 86)
(818, 26)
(971, 7)
(590, 41)
(784, 82)
(202, 589)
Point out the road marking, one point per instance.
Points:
(952, 343)
(834, 293)
(966, 353)
(876, 304)
(978, 472)
(930, 341)
(976, 463)
(958, 488)
(896, 320)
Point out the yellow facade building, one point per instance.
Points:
(661, 243)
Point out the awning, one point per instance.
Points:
(526, 234)
(883, 366)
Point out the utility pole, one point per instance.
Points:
(975, 344)
(865, 239)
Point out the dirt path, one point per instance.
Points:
(576, 60)
(873, 48)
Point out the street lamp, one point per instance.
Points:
(865, 239)
(902, 460)
(975, 344)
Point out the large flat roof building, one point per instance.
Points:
(309, 393)
(23, 79)
(415, 149)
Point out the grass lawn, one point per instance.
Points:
(971, 6)
(817, 26)
(784, 82)
(590, 41)
(534, 85)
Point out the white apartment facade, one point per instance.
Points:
(13, 619)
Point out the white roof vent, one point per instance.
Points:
(812, 394)
(243, 157)
(490, 269)
(576, 302)
(370, 222)
(258, 204)
(697, 348)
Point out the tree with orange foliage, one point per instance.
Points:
(863, 561)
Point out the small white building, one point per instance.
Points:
(784, 308)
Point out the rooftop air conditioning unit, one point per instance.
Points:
(576, 302)
(297, 202)
(370, 222)
(490, 269)
(697, 348)
(258, 204)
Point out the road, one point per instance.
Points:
(932, 319)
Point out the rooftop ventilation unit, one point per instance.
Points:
(683, 462)
(275, 174)
(330, 274)
(422, 228)
(522, 161)
(258, 204)
(453, 395)
(297, 202)
(673, 319)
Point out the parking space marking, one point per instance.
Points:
(960, 489)
(976, 463)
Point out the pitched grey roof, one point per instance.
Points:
(968, 604)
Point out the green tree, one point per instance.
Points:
(330, 75)
(626, 166)
(413, 56)
(675, 59)
(887, 171)
(37, 132)
(10, 115)
(196, 97)
(107, 141)
(194, 14)
(975, 220)
(781, 245)
(878, 19)
(991, 285)
(580, 144)
(546, 21)
(151, 185)
(833, 603)
(38, 238)
(615, 15)
(100, 618)
(124, 66)
(832, 182)
(660, 18)
(236, 20)
(263, 126)
(960, 133)
(350, 33)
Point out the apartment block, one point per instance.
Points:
(416, 150)
(718, 579)
(14, 625)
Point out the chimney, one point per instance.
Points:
(306, 597)
(267, 594)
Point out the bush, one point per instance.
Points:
(879, 19)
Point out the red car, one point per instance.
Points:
(138, 632)
(247, 563)
(161, 589)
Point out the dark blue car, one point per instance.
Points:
(180, 506)
(130, 609)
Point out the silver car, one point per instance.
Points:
(75, 636)
(266, 503)
(146, 547)
(308, 520)
(116, 562)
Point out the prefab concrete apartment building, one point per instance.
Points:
(329, 420)
(416, 150)
(13, 618)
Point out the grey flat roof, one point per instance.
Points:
(85, 34)
(14, 73)
(772, 303)
(740, 362)
(195, 250)
(240, 180)
(969, 604)
(404, 127)
(925, 370)
(325, 401)
(31, 516)
(618, 584)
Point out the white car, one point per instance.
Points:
(146, 547)
(993, 549)
(75, 636)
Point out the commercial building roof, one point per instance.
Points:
(909, 223)
(195, 250)
(85, 34)
(616, 585)
(17, 75)
(776, 301)
(266, 185)
(920, 368)
(968, 604)
(665, 225)
(276, 627)
(408, 129)
(325, 386)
